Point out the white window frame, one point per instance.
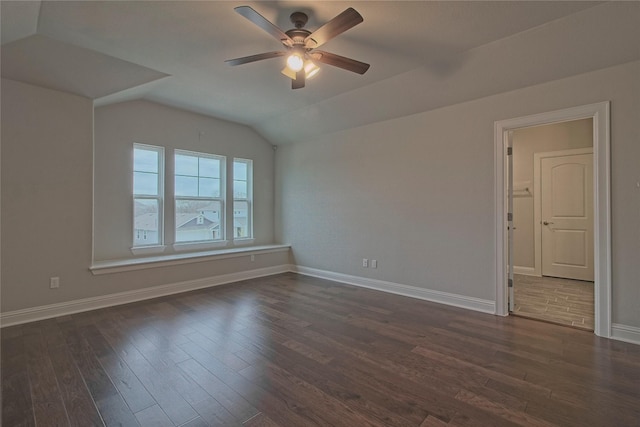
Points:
(201, 244)
(138, 249)
(248, 199)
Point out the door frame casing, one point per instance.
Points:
(600, 113)
(537, 200)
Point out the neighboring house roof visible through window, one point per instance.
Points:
(147, 222)
(190, 220)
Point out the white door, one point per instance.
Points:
(567, 216)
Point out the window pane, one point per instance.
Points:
(186, 165)
(186, 186)
(209, 187)
(209, 167)
(145, 160)
(240, 170)
(240, 189)
(146, 222)
(241, 219)
(242, 227)
(198, 220)
(145, 183)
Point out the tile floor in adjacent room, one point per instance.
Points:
(553, 299)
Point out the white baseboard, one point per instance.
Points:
(471, 303)
(630, 334)
(525, 271)
(61, 309)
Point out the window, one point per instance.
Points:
(199, 197)
(148, 165)
(242, 198)
(203, 215)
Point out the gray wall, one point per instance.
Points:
(46, 194)
(417, 193)
(118, 126)
(527, 142)
(47, 169)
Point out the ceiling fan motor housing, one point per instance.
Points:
(298, 35)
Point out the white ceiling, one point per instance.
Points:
(423, 54)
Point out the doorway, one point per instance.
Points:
(599, 114)
(552, 201)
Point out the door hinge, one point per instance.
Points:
(509, 151)
(511, 283)
(509, 216)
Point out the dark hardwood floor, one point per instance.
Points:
(291, 350)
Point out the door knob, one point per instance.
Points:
(547, 223)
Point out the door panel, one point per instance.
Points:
(567, 216)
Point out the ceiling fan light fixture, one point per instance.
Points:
(300, 44)
(295, 62)
(289, 73)
(310, 69)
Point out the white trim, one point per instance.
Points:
(600, 113)
(62, 309)
(147, 250)
(537, 198)
(243, 241)
(118, 266)
(525, 271)
(630, 334)
(191, 246)
(470, 303)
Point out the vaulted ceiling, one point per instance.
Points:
(423, 55)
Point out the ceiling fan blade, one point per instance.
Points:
(253, 58)
(340, 61)
(298, 82)
(265, 24)
(338, 25)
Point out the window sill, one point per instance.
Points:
(118, 266)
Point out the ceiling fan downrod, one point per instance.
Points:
(299, 19)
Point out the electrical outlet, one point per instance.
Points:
(54, 282)
(374, 263)
(253, 258)
(365, 262)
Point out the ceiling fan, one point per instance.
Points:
(301, 44)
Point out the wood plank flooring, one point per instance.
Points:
(291, 350)
(553, 299)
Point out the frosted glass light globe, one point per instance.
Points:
(295, 62)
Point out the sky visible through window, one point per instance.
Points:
(240, 179)
(145, 172)
(197, 176)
